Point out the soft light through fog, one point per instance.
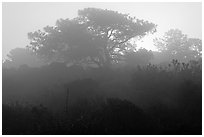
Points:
(21, 18)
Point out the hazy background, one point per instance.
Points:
(86, 75)
(21, 18)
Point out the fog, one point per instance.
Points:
(90, 75)
(20, 18)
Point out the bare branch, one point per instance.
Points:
(117, 44)
(108, 29)
(111, 33)
(125, 40)
(96, 62)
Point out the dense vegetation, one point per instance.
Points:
(164, 101)
(85, 76)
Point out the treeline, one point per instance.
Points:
(85, 76)
(164, 101)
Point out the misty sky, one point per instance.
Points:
(21, 18)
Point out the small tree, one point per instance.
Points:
(139, 57)
(176, 45)
(21, 56)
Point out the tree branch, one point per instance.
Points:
(96, 62)
(125, 40)
(111, 33)
(119, 43)
(114, 46)
(108, 29)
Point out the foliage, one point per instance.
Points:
(86, 117)
(165, 100)
(140, 57)
(176, 90)
(21, 56)
(95, 36)
(21, 119)
(176, 45)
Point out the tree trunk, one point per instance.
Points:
(107, 60)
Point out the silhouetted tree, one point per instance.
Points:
(95, 36)
(21, 56)
(176, 45)
(139, 57)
